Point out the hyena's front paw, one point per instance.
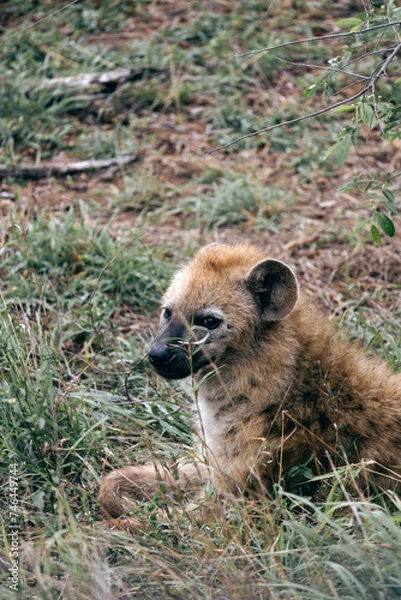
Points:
(122, 487)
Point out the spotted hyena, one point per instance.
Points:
(276, 385)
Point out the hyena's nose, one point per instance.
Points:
(160, 355)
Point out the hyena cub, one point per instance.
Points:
(276, 385)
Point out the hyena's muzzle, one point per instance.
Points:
(179, 349)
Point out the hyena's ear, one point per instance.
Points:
(275, 288)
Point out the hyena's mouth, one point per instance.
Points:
(175, 362)
(179, 358)
(170, 363)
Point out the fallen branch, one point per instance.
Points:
(64, 168)
(108, 79)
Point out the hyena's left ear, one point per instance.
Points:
(275, 288)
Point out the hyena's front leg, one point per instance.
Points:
(122, 487)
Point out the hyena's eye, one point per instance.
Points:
(211, 322)
(166, 313)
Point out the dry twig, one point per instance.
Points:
(64, 168)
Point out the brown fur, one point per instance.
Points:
(276, 383)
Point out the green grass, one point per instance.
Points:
(77, 400)
(234, 199)
(79, 296)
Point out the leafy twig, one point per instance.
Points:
(369, 86)
(323, 68)
(321, 38)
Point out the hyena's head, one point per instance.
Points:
(217, 306)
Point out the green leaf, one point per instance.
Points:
(385, 223)
(384, 107)
(345, 108)
(310, 91)
(355, 136)
(339, 151)
(367, 115)
(349, 22)
(375, 234)
(388, 194)
(347, 187)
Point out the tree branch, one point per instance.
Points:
(321, 38)
(323, 68)
(369, 86)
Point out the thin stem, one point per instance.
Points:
(322, 68)
(317, 39)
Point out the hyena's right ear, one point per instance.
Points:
(275, 288)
